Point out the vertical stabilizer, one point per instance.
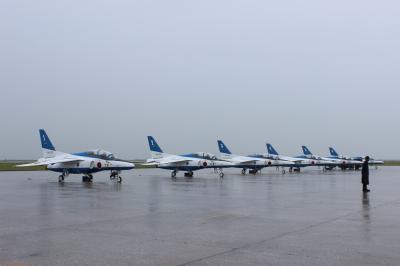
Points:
(306, 151)
(271, 150)
(155, 150)
(333, 152)
(222, 147)
(47, 147)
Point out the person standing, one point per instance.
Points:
(365, 174)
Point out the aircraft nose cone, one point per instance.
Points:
(130, 165)
(127, 165)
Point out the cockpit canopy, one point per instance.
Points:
(203, 155)
(100, 154)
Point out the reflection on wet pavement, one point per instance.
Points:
(308, 218)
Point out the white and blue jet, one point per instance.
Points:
(187, 162)
(358, 159)
(85, 163)
(253, 163)
(298, 161)
(329, 162)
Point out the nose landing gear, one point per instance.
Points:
(63, 176)
(115, 176)
(173, 174)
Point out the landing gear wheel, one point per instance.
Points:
(87, 178)
(60, 179)
(119, 179)
(189, 174)
(283, 171)
(243, 171)
(173, 174)
(221, 175)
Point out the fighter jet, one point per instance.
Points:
(252, 162)
(298, 162)
(328, 162)
(85, 163)
(187, 162)
(359, 159)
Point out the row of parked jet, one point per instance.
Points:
(89, 162)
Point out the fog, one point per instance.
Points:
(105, 74)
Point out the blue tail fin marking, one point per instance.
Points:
(45, 140)
(271, 150)
(222, 147)
(153, 145)
(333, 152)
(306, 151)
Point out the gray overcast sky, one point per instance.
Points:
(108, 73)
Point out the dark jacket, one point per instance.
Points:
(365, 173)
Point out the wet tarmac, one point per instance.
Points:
(310, 218)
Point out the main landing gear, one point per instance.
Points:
(115, 176)
(189, 174)
(254, 171)
(87, 178)
(63, 176)
(251, 171)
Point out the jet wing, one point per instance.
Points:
(50, 161)
(244, 160)
(293, 159)
(170, 160)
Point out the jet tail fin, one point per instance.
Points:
(333, 152)
(306, 151)
(155, 150)
(271, 150)
(222, 147)
(48, 148)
